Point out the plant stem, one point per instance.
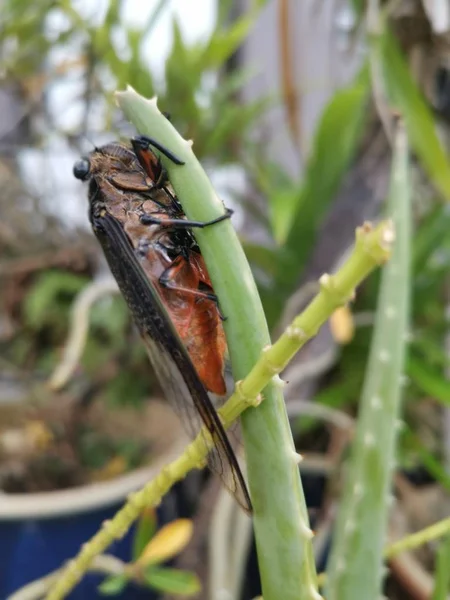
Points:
(410, 542)
(280, 516)
(356, 561)
(413, 541)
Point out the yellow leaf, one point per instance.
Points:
(114, 467)
(342, 325)
(168, 542)
(38, 434)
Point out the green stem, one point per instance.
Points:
(415, 540)
(410, 542)
(280, 517)
(356, 561)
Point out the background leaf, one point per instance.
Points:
(172, 581)
(442, 572)
(113, 585)
(407, 99)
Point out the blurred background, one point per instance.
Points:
(285, 103)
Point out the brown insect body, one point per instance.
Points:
(161, 273)
(132, 193)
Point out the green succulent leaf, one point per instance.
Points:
(173, 581)
(113, 585)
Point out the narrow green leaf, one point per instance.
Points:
(425, 344)
(356, 561)
(113, 585)
(155, 16)
(113, 14)
(281, 192)
(233, 118)
(283, 203)
(172, 581)
(442, 571)
(432, 464)
(261, 256)
(136, 73)
(223, 12)
(144, 532)
(407, 99)
(334, 147)
(183, 77)
(433, 230)
(359, 7)
(429, 380)
(49, 287)
(223, 43)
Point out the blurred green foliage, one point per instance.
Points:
(163, 545)
(201, 109)
(296, 209)
(51, 288)
(442, 572)
(95, 451)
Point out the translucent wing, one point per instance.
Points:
(170, 359)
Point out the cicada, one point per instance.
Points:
(152, 252)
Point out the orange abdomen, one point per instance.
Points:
(205, 342)
(198, 323)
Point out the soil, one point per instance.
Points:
(62, 444)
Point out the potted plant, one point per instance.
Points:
(68, 460)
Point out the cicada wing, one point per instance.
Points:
(221, 458)
(171, 362)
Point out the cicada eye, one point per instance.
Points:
(82, 168)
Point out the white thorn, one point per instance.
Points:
(340, 565)
(390, 312)
(358, 490)
(389, 233)
(276, 379)
(325, 279)
(399, 424)
(403, 380)
(257, 401)
(349, 527)
(296, 333)
(307, 532)
(270, 366)
(369, 440)
(315, 594)
(297, 457)
(384, 356)
(376, 403)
